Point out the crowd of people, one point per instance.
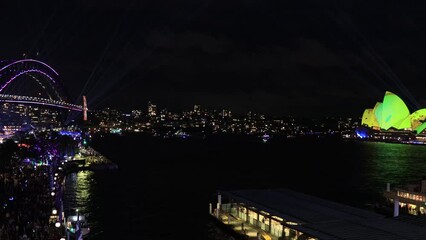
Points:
(27, 203)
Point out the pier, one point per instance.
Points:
(286, 214)
(88, 159)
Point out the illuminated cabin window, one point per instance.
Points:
(412, 196)
(252, 214)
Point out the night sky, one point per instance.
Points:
(302, 58)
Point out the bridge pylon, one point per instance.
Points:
(85, 109)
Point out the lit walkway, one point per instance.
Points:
(245, 229)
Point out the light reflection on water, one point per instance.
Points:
(78, 195)
(396, 163)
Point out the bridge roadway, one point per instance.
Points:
(39, 101)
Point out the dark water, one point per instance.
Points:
(163, 186)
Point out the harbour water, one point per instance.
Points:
(162, 187)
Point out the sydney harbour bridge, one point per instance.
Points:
(45, 86)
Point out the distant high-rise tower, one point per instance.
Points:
(84, 109)
(197, 108)
(152, 109)
(226, 113)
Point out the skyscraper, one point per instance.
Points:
(152, 109)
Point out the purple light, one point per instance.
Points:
(75, 108)
(23, 72)
(69, 133)
(30, 60)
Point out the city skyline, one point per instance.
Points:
(301, 58)
(145, 109)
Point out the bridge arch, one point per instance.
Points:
(40, 72)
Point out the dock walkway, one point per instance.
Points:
(245, 230)
(89, 159)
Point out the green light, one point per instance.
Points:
(392, 113)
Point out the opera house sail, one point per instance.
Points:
(391, 120)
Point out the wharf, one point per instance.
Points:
(239, 229)
(285, 214)
(89, 159)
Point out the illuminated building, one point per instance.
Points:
(152, 109)
(410, 198)
(391, 119)
(197, 109)
(226, 113)
(393, 113)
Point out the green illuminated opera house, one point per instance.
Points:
(392, 113)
